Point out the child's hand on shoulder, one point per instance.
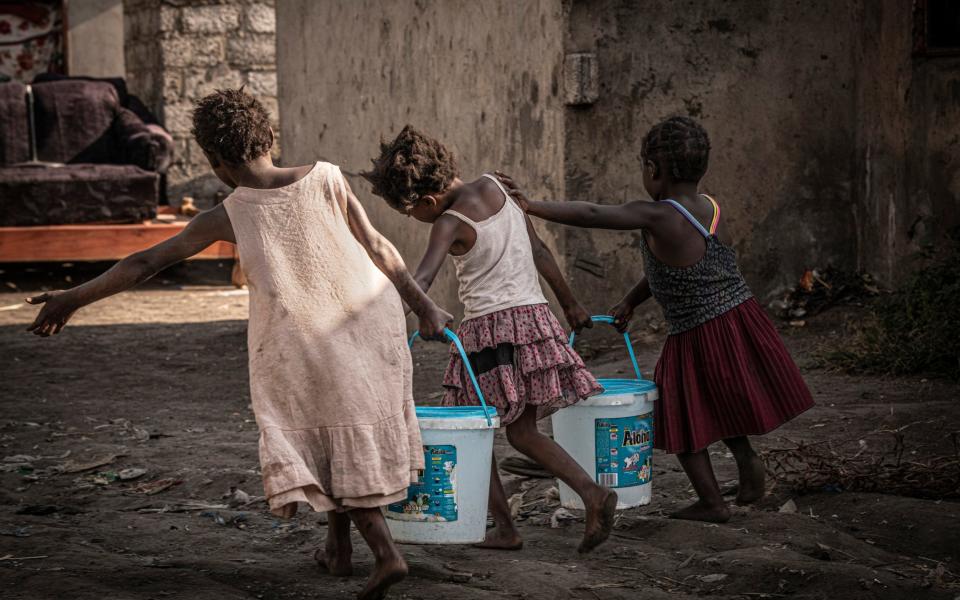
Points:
(622, 313)
(513, 190)
(577, 317)
(433, 322)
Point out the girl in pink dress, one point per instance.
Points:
(330, 371)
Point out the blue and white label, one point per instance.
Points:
(434, 496)
(624, 451)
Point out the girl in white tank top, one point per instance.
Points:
(497, 273)
(515, 344)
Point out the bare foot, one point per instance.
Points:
(599, 520)
(335, 558)
(752, 484)
(500, 538)
(384, 575)
(336, 563)
(701, 511)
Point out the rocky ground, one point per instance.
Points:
(123, 442)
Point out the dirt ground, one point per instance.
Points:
(156, 380)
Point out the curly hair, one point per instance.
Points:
(413, 165)
(232, 125)
(681, 144)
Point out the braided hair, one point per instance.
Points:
(681, 145)
(411, 166)
(233, 126)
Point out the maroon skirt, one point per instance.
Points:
(731, 376)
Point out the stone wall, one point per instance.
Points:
(178, 51)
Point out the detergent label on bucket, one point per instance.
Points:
(434, 496)
(624, 451)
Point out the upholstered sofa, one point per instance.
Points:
(71, 153)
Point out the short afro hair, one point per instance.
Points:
(411, 166)
(233, 126)
(682, 145)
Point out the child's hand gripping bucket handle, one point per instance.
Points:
(626, 338)
(466, 363)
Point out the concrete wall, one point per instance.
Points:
(483, 77)
(907, 157)
(769, 81)
(95, 38)
(831, 144)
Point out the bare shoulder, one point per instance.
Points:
(451, 227)
(487, 188)
(213, 224)
(654, 211)
(662, 219)
(479, 199)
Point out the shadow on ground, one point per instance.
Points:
(171, 398)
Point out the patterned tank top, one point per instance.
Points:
(693, 295)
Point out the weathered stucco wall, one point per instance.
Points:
(483, 77)
(771, 82)
(95, 38)
(907, 163)
(832, 145)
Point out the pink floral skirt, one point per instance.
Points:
(524, 360)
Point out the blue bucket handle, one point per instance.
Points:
(626, 338)
(466, 363)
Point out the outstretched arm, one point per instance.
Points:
(58, 306)
(638, 214)
(577, 317)
(433, 319)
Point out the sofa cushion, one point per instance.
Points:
(147, 146)
(74, 121)
(82, 193)
(14, 133)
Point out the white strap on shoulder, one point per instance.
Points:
(509, 199)
(462, 217)
(499, 185)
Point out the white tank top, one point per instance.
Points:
(498, 272)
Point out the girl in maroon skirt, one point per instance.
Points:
(514, 343)
(724, 372)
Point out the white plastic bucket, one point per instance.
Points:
(611, 436)
(448, 504)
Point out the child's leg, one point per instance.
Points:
(710, 507)
(504, 535)
(751, 470)
(336, 553)
(390, 567)
(601, 503)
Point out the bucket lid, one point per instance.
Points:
(620, 392)
(455, 412)
(626, 386)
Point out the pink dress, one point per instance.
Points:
(330, 372)
(517, 348)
